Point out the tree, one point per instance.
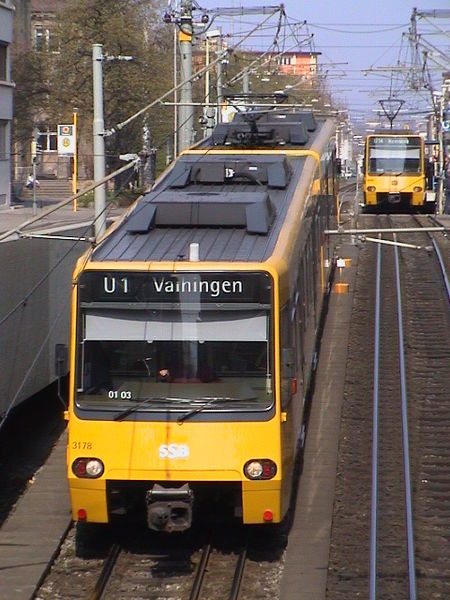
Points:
(51, 82)
(125, 27)
(29, 72)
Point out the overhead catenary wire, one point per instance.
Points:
(194, 76)
(45, 213)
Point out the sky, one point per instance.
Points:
(357, 41)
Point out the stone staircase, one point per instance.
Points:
(51, 190)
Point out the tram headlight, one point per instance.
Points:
(417, 188)
(371, 188)
(90, 468)
(260, 468)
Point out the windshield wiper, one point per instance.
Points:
(210, 401)
(144, 402)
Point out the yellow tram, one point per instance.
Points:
(394, 172)
(194, 330)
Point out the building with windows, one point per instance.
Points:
(34, 23)
(302, 64)
(6, 99)
(43, 14)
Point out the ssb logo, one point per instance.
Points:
(173, 451)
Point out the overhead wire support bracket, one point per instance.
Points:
(392, 230)
(197, 74)
(364, 238)
(50, 236)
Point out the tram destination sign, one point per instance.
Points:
(129, 286)
(399, 140)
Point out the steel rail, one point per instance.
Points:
(108, 566)
(200, 574)
(442, 266)
(405, 437)
(238, 574)
(374, 495)
(440, 259)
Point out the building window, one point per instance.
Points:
(47, 141)
(3, 62)
(42, 38)
(3, 139)
(285, 60)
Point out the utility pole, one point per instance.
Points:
(98, 140)
(186, 111)
(246, 82)
(184, 118)
(219, 81)
(175, 91)
(210, 110)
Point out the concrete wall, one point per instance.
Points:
(39, 319)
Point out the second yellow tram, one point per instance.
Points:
(394, 172)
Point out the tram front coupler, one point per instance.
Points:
(394, 198)
(169, 509)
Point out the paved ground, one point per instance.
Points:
(14, 217)
(31, 534)
(306, 564)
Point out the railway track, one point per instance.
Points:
(205, 574)
(135, 564)
(395, 561)
(392, 560)
(427, 318)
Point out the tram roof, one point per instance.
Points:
(232, 204)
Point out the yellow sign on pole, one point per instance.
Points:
(66, 140)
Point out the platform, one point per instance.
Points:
(32, 532)
(306, 560)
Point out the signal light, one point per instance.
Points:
(90, 468)
(82, 514)
(268, 515)
(260, 468)
(268, 469)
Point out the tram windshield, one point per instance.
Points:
(394, 155)
(176, 360)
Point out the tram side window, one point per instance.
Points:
(308, 282)
(287, 354)
(305, 292)
(300, 318)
